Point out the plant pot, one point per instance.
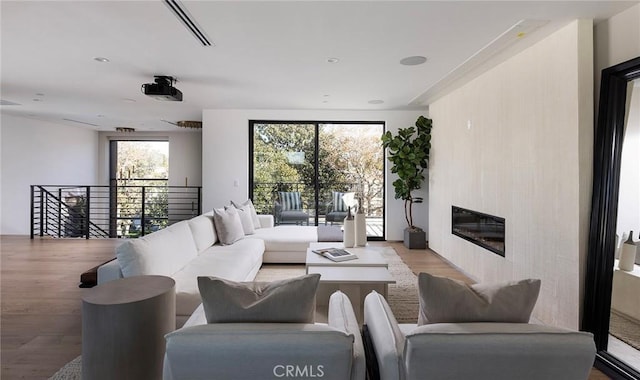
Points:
(415, 238)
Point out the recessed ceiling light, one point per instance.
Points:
(333, 60)
(414, 60)
(325, 101)
(326, 96)
(100, 115)
(39, 94)
(37, 99)
(376, 101)
(101, 59)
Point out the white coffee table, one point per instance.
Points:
(355, 278)
(367, 257)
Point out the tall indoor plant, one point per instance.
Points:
(409, 156)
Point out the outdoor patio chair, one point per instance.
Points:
(289, 208)
(338, 206)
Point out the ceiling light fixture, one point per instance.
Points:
(125, 129)
(101, 59)
(413, 60)
(333, 60)
(189, 124)
(376, 101)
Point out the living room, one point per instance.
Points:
(518, 130)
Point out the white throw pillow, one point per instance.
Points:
(228, 225)
(444, 300)
(252, 211)
(245, 219)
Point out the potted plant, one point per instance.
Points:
(409, 156)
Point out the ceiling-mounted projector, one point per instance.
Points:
(162, 89)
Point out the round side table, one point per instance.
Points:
(123, 327)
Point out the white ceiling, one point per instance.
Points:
(267, 55)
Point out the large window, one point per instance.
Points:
(321, 169)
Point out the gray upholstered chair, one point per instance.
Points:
(486, 350)
(338, 206)
(289, 208)
(231, 351)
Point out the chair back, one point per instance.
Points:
(290, 200)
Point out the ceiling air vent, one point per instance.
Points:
(183, 15)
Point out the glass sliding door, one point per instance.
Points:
(326, 167)
(283, 175)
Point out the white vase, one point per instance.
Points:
(349, 234)
(628, 255)
(361, 228)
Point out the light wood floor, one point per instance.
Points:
(40, 316)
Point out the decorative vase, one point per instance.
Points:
(628, 254)
(349, 234)
(360, 227)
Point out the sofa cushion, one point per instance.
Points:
(444, 300)
(204, 232)
(237, 262)
(287, 238)
(163, 252)
(228, 225)
(286, 301)
(252, 211)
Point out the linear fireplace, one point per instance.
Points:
(481, 229)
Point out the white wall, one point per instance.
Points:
(41, 153)
(527, 157)
(616, 40)
(225, 155)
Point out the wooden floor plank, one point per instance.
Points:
(40, 300)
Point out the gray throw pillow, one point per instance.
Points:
(444, 300)
(285, 301)
(228, 225)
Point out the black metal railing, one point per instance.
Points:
(109, 211)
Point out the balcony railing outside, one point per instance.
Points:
(109, 211)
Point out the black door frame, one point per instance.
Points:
(607, 157)
(317, 124)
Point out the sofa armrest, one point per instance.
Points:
(343, 318)
(109, 272)
(386, 336)
(266, 220)
(489, 350)
(257, 351)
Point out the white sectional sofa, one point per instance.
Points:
(190, 248)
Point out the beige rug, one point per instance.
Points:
(402, 297)
(625, 329)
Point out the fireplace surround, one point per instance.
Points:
(487, 231)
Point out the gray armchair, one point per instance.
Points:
(338, 206)
(289, 208)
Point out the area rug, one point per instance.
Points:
(625, 329)
(402, 296)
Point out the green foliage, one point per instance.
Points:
(409, 156)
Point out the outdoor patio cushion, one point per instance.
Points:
(290, 200)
